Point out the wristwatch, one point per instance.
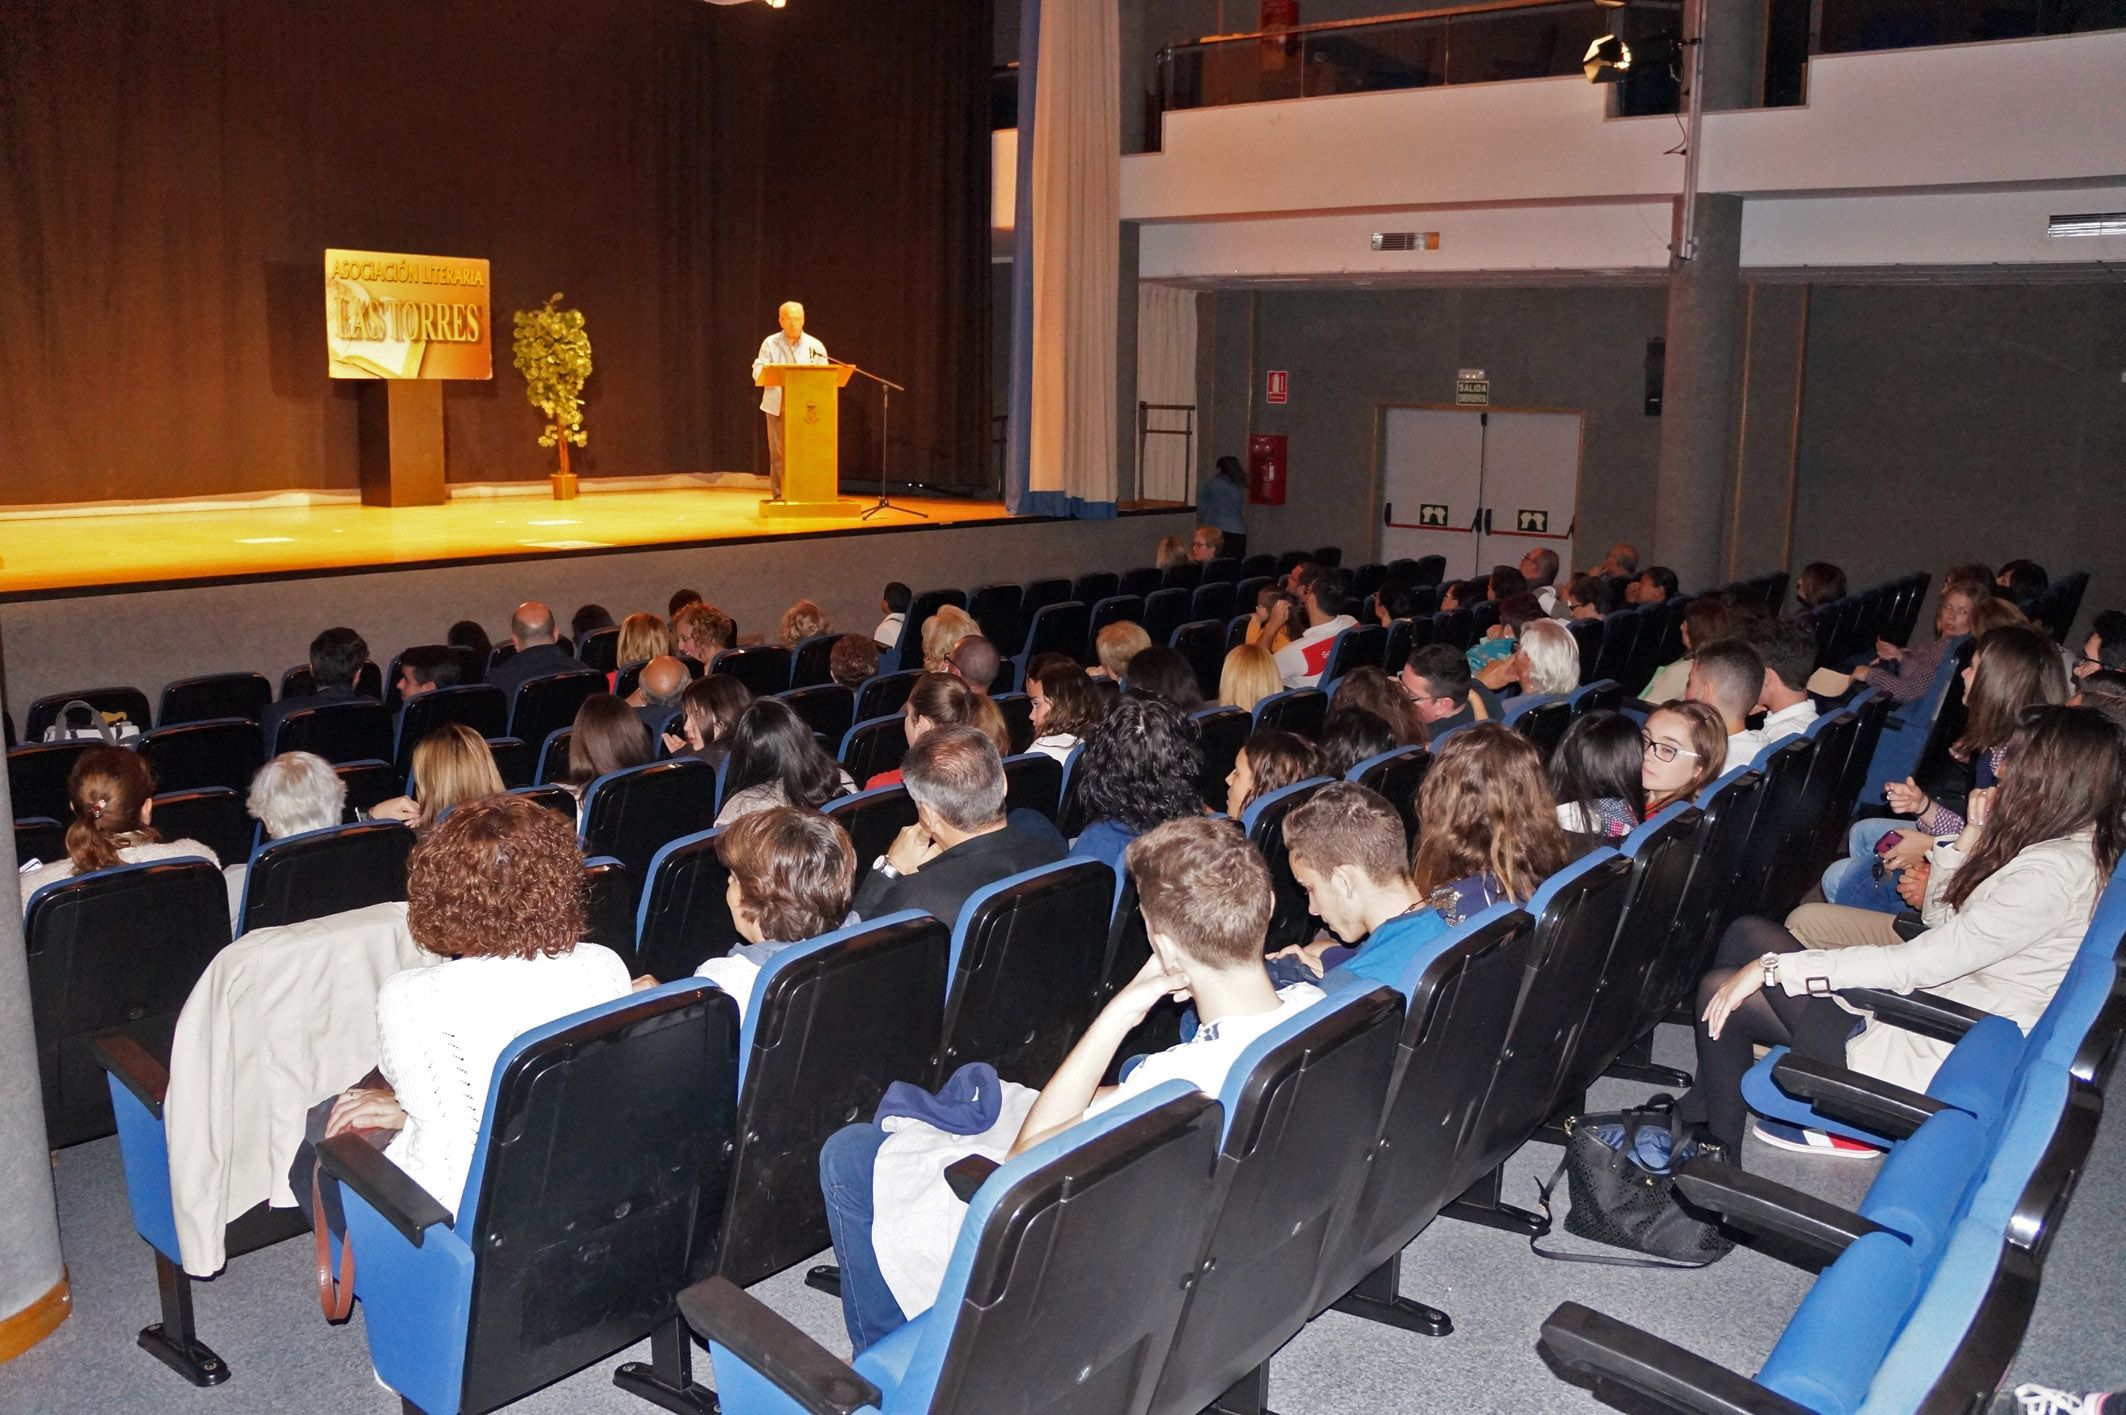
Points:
(1770, 963)
(884, 868)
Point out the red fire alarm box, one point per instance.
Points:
(1266, 469)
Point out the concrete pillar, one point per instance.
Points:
(1734, 53)
(1760, 536)
(1126, 480)
(33, 1289)
(1705, 300)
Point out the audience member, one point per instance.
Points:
(712, 705)
(1706, 619)
(961, 840)
(1461, 594)
(1373, 691)
(1249, 676)
(1065, 703)
(294, 793)
(531, 629)
(1272, 623)
(1138, 768)
(2103, 691)
(496, 890)
(1206, 898)
(1787, 648)
(2021, 581)
(606, 736)
(941, 634)
(941, 700)
(702, 631)
(775, 761)
(465, 634)
(1206, 545)
(801, 621)
(975, 661)
(588, 620)
(1685, 745)
(1819, 583)
(1906, 674)
(451, 765)
(1270, 760)
(1295, 577)
(1487, 656)
(1222, 502)
(1163, 672)
(1596, 773)
(1998, 613)
(1622, 560)
(1503, 582)
(1300, 663)
(2006, 906)
(642, 638)
(1545, 661)
(1655, 585)
(657, 693)
(1172, 551)
(425, 668)
(1728, 676)
(1349, 853)
(336, 657)
(853, 661)
(1489, 825)
(893, 604)
(1114, 647)
(680, 600)
(1352, 735)
(1589, 597)
(2105, 648)
(1539, 574)
(793, 877)
(109, 797)
(1441, 692)
(1393, 602)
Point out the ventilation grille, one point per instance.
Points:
(1406, 240)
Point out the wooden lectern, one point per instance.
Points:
(811, 440)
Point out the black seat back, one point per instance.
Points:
(1647, 644)
(1620, 647)
(1033, 781)
(600, 1187)
(114, 950)
(834, 1026)
(1202, 643)
(1018, 716)
(600, 649)
(609, 907)
(1301, 710)
(39, 838)
(1587, 636)
(684, 918)
(997, 609)
(553, 756)
(812, 661)
(1060, 628)
(1263, 565)
(1186, 575)
(1224, 731)
(1361, 646)
(554, 798)
(827, 708)
(1114, 609)
(1728, 812)
(324, 872)
(479, 706)
(631, 814)
(36, 777)
(1081, 1270)
(44, 711)
(214, 695)
(1213, 599)
(872, 819)
(1398, 776)
(1545, 724)
(1799, 861)
(513, 760)
(546, 704)
(1454, 1026)
(370, 784)
(1290, 919)
(873, 747)
(1300, 1126)
(1029, 956)
(212, 815)
(920, 610)
(338, 732)
(1091, 587)
(1165, 610)
(1779, 804)
(1853, 780)
(885, 694)
(1661, 858)
(1222, 571)
(1140, 581)
(220, 752)
(1454, 626)
(763, 668)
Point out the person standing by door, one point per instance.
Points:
(790, 345)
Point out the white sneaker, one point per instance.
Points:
(1782, 1136)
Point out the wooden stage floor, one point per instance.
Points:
(72, 554)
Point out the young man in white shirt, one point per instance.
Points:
(893, 603)
(1205, 895)
(1728, 676)
(1788, 648)
(1300, 663)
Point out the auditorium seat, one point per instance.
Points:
(479, 706)
(1397, 774)
(1291, 921)
(908, 653)
(214, 752)
(1587, 637)
(997, 608)
(1483, 617)
(615, 1170)
(1368, 579)
(1115, 609)
(1202, 643)
(1291, 560)
(1185, 576)
(631, 813)
(371, 783)
(547, 703)
(609, 907)
(873, 747)
(684, 918)
(600, 649)
(1223, 731)
(827, 708)
(1225, 570)
(1785, 767)
(43, 712)
(1656, 623)
(553, 757)
(1213, 599)
(1056, 628)
(1042, 593)
(1092, 1238)
(831, 1021)
(1870, 710)
(1236, 632)
(214, 695)
(1248, 590)
(1300, 710)
(1454, 627)
(1599, 695)
(1028, 957)
(338, 732)
(1620, 646)
(554, 798)
(300, 682)
(885, 694)
(811, 662)
(212, 815)
(38, 838)
(1360, 646)
(872, 819)
(1405, 637)
(1140, 581)
(113, 951)
(1094, 586)
(513, 759)
(1033, 781)
(324, 872)
(1540, 719)
(1259, 566)
(1018, 718)
(763, 668)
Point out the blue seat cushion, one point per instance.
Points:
(885, 1362)
(1843, 1328)
(1925, 1182)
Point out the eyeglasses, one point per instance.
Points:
(1664, 751)
(2082, 658)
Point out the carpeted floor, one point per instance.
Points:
(261, 1314)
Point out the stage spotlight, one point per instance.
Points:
(1610, 60)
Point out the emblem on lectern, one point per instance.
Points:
(811, 414)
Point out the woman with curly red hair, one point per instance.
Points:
(496, 890)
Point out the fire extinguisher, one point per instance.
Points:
(1266, 468)
(1279, 15)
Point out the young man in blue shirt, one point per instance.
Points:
(1349, 853)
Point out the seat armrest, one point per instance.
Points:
(966, 1175)
(1847, 1096)
(140, 1073)
(402, 1203)
(812, 1376)
(1763, 1206)
(1622, 1358)
(1920, 1012)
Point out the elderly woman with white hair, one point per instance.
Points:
(295, 792)
(1545, 662)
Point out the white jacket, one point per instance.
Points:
(2005, 951)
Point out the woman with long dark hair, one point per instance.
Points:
(775, 761)
(2006, 905)
(1598, 775)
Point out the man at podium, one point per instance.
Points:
(791, 345)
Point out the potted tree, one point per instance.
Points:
(553, 353)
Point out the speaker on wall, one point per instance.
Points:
(1656, 361)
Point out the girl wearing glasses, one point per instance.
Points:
(1683, 745)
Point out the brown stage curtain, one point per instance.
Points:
(174, 170)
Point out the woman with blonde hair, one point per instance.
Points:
(800, 622)
(451, 765)
(1250, 675)
(1489, 823)
(110, 793)
(1173, 550)
(1115, 646)
(942, 633)
(642, 638)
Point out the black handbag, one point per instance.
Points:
(1620, 1170)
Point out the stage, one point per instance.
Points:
(110, 549)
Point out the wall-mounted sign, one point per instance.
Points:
(1472, 389)
(1277, 388)
(406, 316)
(1533, 522)
(1432, 513)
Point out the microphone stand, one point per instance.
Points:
(886, 389)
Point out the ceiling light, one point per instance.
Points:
(1610, 60)
(2088, 223)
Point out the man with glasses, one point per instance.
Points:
(2105, 647)
(1539, 568)
(1441, 691)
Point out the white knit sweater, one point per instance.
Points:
(440, 1031)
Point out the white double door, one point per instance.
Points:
(1479, 486)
